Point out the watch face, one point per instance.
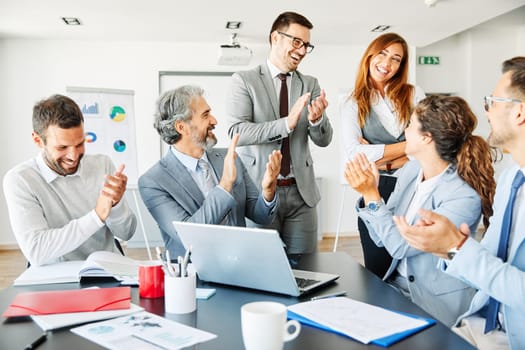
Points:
(373, 205)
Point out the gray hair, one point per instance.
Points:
(172, 106)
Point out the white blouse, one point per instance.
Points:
(351, 131)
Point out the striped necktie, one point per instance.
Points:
(207, 179)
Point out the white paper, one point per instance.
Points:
(361, 321)
(142, 330)
(63, 272)
(55, 321)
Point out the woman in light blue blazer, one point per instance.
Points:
(451, 173)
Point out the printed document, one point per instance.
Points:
(358, 320)
(143, 331)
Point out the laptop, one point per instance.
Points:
(246, 257)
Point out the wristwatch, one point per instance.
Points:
(374, 205)
(453, 251)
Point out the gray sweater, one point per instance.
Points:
(53, 217)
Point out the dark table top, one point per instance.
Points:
(221, 313)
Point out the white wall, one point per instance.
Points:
(34, 69)
(471, 65)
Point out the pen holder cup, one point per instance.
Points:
(151, 279)
(179, 294)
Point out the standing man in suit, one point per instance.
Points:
(275, 107)
(496, 265)
(197, 183)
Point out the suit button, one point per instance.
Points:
(411, 278)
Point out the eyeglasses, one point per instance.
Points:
(489, 100)
(298, 43)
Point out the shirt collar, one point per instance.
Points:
(47, 173)
(188, 161)
(430, 184)
(274, 71)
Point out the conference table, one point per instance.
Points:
(221, 313)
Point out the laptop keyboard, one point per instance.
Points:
(304, 282)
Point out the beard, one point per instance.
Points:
(206, 142)
(57, 167)
(498, 139)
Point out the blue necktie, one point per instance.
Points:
(493, 306)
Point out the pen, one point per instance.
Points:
(179, 262)
(185, 262)
(37, 342)
(171, 270)
(163, 262)
(336, 294)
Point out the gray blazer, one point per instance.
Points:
(253, 112)
(443, 296)
(170, 194)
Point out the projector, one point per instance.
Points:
(234, 55)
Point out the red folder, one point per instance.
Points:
(63, 301)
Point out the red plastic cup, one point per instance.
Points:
(151, 280)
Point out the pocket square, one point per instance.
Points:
(64, 301)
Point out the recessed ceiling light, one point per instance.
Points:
(71, 21)
(380, 28)
(233, 24)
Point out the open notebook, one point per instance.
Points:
(246, 257)
(98, 264)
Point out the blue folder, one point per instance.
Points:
(384, 342)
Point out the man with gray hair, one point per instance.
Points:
(195, 182)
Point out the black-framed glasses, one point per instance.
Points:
(298, 43)
(489, 100)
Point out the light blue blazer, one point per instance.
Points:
(170, 194)
(505, 281)
(438, 293)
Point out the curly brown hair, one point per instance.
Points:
(451, 122)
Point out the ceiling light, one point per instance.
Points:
(380, 28)
(71, 21)
(233, 24)
(431, 3)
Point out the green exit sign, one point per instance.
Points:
(428, 59)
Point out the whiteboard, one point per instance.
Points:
(109, 125)
(216, 86)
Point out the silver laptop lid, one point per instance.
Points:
(239, 256)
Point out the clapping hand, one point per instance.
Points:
(363, 177)
(269, 182)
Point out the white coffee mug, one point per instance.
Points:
(264, 326)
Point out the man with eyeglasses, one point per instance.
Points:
(275, 107)
(496, 265)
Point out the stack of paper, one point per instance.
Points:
(360, 321)
(56, 321)
(142, 330)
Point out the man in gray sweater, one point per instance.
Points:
(64, 205)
